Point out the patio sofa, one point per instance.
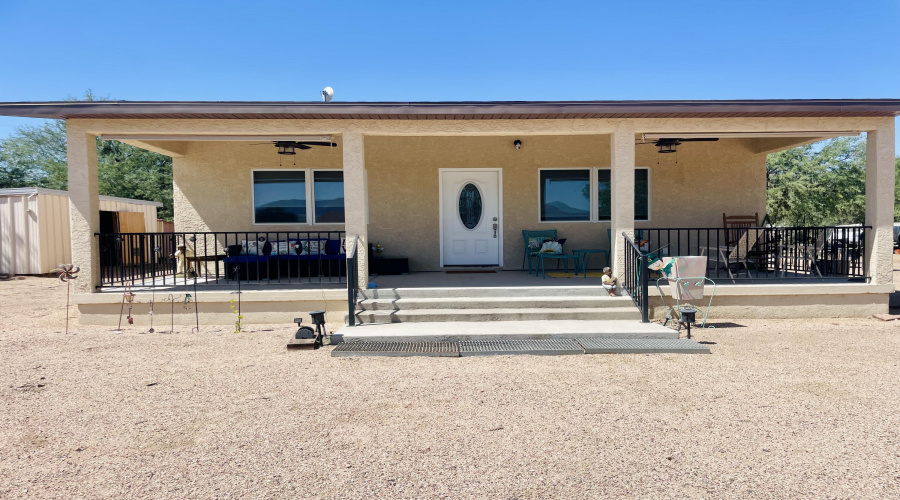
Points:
(279, 260)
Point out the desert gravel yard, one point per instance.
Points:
(781, 409)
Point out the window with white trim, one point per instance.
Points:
(288, 196)
(565, 194)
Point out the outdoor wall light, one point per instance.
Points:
(517, 143)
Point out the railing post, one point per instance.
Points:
(645, 286)
(351, 285)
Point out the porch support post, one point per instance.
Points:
(880, 202)
(84, 207)
(622, 187)
(356, 210)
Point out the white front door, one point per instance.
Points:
(470, 217)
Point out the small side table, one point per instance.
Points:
(586, 257)
(389, 265)
(576, 259)
(197, 259)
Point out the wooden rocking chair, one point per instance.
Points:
(736, 224)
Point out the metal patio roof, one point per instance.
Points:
(472, 110)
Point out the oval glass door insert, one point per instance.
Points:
(470, 206)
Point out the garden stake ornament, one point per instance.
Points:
(127, 296)
(188, 298)
(196, 307)
(172, 299)
(152, 302)
(66, 273)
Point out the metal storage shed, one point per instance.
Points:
(34, 226)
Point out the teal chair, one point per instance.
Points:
(531, 252)
(587, 252)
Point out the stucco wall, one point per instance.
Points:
(213, 188)
(403, 173)
(212, 185)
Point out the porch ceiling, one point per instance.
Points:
(455, 110)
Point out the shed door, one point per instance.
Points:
(132, 245)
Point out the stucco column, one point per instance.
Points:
(880, 202)
(356, 210)
(622, 188)
(84, 206)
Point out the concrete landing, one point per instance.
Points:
(500, 330)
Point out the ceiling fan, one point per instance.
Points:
(291, 147)
(668, 144)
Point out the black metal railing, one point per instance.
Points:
(766, 253)
(637, 281)
(352, 281)
(222, 258)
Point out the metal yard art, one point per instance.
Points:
(172, 298)
(66, 273)
(127, 296)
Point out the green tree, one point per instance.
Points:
(130, 172)
(823, 185)
(35, 156)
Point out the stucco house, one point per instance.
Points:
(447, 189)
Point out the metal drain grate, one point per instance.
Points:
(637, 346)
(501, 347)
(398, 349)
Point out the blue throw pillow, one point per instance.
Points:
(333, 247)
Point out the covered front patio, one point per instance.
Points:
(452, 186)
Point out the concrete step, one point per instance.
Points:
(479, 292)
(500, 314)
(498, 330)
(505, 302)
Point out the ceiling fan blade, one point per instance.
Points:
(700, 139)
(318, 143)
(302, 146)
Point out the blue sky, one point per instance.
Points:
(410, 51)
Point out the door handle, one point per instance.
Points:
(495, 230)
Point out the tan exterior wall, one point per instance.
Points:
(784, 301)
(710, 178)
(213, 186)
(198, 194)
(257, 307)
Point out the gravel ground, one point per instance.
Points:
(780, 409)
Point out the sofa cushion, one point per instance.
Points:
(281, 248)
(313, 246)
(255, 248)
(333, 247)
